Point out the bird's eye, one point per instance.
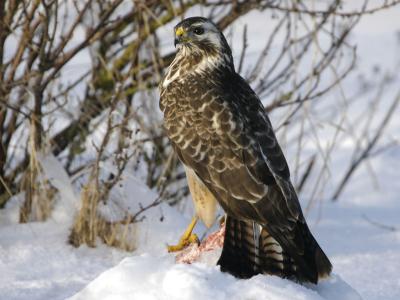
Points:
(198, 30)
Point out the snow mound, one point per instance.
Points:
(149, 277)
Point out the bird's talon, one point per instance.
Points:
(184, 242)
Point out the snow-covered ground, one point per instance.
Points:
(360, 234)
(36, 262)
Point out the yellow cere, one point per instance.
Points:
(179, 31)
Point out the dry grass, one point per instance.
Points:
(89, 225)
(39, 193)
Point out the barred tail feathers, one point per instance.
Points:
(238, 255)
(250, 250)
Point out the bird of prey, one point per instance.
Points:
(220, 131)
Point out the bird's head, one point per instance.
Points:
(198, 34)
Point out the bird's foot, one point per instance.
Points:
(187, 238)
(184, 242)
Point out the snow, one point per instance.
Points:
(36, 263)
(163, 279)
(360, 233)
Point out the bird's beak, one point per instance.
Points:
(180, 35)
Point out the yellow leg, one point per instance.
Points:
(187, 238)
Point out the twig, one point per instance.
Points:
(380, 225)
(244, 48)
(366, 153)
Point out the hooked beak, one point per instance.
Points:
(180, 36)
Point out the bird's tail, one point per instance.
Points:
(250, 250)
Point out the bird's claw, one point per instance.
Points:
(184, 242)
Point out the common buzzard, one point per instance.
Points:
(221, 133)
